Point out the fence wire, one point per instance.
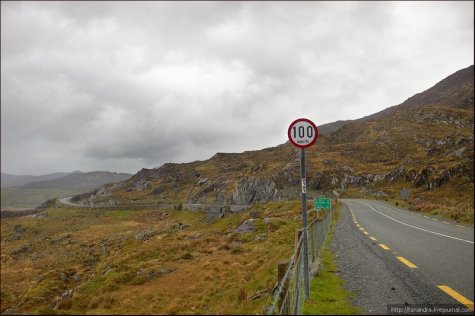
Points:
(289, 295)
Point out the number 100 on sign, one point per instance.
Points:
(302, 133)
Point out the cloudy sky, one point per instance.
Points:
(121, 86)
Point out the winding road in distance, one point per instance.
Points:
(67, 201)
(388, 255)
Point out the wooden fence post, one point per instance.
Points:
(282, 266)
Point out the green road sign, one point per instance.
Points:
(322, 196)
(322, 203)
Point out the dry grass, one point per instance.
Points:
(203, 268)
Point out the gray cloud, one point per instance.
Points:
(124, 85)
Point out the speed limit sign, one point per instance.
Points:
(302, 133)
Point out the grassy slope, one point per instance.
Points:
(327, 295)
(213, 269)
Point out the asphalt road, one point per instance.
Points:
(67, 201)
(388, 255)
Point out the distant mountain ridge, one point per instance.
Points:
(34, 193)
(80, 181)
(10, 180)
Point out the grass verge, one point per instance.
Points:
(327, 295)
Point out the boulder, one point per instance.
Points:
(459, 152)
(246, 227)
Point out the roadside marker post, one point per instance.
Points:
(405, 193)
(302, 134)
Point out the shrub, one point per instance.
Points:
(241, 296)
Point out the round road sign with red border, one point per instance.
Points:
(302, 133)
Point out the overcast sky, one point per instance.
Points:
(120, 86)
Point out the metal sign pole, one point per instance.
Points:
(304, 223)
(303, 133)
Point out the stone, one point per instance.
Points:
(64, 277)
(202, 181)
(459, 152)
(76, 278)
(255, 214)
(18, 229)
(164, 271)
(67, 294)
(141, 184)
(246, 227)
(183, 226)
(146, 234)
(380, 194)
(260, 237)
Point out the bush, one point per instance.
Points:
(241, 296)
(187, 256)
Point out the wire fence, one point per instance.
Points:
(289, 292)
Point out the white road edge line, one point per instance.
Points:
(429, 231)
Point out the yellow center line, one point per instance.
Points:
(372, 238)
(426, 216)
(459, 297)
(384, 246)
(358, 225)
(446, 223)
(366, 233)
(407, 262)
(460, 226)
(435, 219)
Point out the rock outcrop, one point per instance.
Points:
(251, 190)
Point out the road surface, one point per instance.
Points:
(67, 201)
(392, 256)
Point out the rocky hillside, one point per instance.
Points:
(424, 144)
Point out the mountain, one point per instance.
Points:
(35, 193)
(454, 91)
(10, 180)
(424, 144)
(80, 181)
